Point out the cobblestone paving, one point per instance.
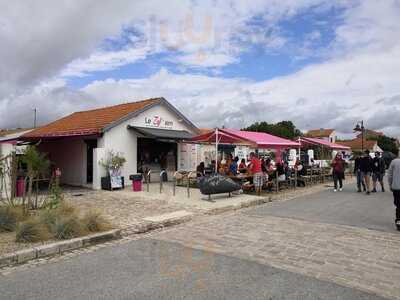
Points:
(121, 208)
(359, 258)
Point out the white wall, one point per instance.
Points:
(70, 156)
(166, 116)
(121, 139)
(6, 149)
(98, 170)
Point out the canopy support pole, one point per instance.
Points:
(216, 150)
(299, 148)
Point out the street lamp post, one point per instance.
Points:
(360, 128)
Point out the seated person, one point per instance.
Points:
(233, 168)
(281, 171)
(222, 167)
(212, 166)
(301, 171)
(242, 166)
(200, 170)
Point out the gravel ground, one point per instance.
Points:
(8, 244)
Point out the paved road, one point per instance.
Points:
(375, 211)
(152, 269)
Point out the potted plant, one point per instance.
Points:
(112, 163)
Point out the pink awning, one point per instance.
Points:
(223, 138)
(323, 143)
(262, 139)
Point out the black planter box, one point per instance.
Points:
(106, 183)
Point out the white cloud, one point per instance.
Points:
(205, 59)
(104, 61)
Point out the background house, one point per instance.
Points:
(8, 140)
(356, 145)
(370, 134)
(325, 134)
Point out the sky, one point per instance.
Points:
(320, 64)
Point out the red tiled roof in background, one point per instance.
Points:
(356, 144)
(324, 143)
(318, 133)
(4, 132)
(90, 121)
(370, 133)
(205, 130)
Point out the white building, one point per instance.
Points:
(147, 133)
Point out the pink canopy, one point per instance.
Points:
(218, 136)
(323, 143)
(262, 140)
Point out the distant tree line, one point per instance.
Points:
(284, 129)
(386, 143)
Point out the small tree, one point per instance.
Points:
(38, 165)
(113, 161)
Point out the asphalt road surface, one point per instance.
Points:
(375, 211)
(152, 269)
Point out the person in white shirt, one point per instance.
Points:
(394, 184)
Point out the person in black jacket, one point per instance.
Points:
(366, 167)
(358, 174)
(378, 171)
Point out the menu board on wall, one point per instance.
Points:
(188, 157)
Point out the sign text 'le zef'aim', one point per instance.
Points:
(158, 122)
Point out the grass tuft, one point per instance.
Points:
(9, 216)
(95, 222)
(67, 227)
(31, 231)
(65, 209)
(48, 217)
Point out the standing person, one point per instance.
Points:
(366, 169)
(378, 171)
(338, 167)
(394, 184)
(255, 168)
(358, 173)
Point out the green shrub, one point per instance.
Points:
(31, 231)
(67, 227)
(9, 216)
(93, 221)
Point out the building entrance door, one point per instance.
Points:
(90, 145)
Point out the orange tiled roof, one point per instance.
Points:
(90, 121)
(356, 144)
(205, 130)
(318, 133)
(371, 133)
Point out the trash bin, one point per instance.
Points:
(136, 182)
(20, 187)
